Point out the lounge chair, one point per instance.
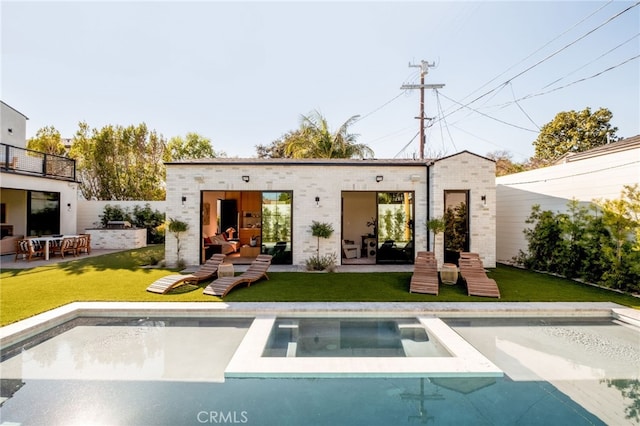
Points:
(478, 283)
(206, 271)
(425, 274)
(256, 271)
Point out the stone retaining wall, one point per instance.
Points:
(118, 239)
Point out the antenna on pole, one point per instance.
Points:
(424, 69)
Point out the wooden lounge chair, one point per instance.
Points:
(425, 274)
(206, 271)
(478, 283)
(256, 271)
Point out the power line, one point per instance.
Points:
(609, 20)
(540, 48)
(611, 68)
(486, 115)
(591, 62)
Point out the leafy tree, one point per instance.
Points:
(119, 163)
(598, 244)
(142, 217)
(574, 131)
(48, 140)
(315, 140)
(504, 164)
(191, 146)
(277, 148)
(436, 225)
(321, 230)
(178, 227)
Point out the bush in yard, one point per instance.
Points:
(599, 245)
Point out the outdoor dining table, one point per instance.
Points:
(47, 241)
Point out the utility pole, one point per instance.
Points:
(424, 69)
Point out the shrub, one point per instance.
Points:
(142, 217)
(598, 245)
(322, 263)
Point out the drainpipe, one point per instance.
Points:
(428, 208)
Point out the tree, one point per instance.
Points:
(314, 139)
(574, 132)
(277, 148)
(504, 164)
(191, 146)
(48, 140)
(436, 225)
(178, 227)
(119, 163)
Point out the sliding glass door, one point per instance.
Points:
(395, 227)
(276, 226)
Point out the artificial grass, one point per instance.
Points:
(120, 277)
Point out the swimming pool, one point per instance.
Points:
(127, 369)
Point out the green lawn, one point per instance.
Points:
(119, 277)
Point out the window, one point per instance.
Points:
(43, 213)
(276, 225)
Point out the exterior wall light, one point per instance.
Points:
(317, 201)
(184, 200)
(484, 199)
(379, 178)
(245, 178)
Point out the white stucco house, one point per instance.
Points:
(380, 206)
(38, 191)
(599, 173)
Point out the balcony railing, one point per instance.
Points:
(35, 163)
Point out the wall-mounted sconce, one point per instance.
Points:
(10, 130)
(484, 199)
(414, 178)
(317, 201)
(245, 178)
(379, 178)
(184, 200)
(68, 207)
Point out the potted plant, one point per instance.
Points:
(436, 225)
(317, 262)
(177, 227)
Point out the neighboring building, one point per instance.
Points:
(599, 173)
(38, 191)
(381, 206)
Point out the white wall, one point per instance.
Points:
(89, 212)
(328, 181)
(466, 171)
(598, 177)
(68, 198)
(12, 119)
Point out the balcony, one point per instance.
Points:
(35, 163)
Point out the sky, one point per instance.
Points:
(243, 73)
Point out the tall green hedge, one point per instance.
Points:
(599, 243)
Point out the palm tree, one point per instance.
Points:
(315, 140)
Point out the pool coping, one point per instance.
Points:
(464, 359)
(15, 333)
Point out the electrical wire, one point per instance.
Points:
(539, 49)
(487, 115)
(609, 20)
(522, 109)
(611, 68)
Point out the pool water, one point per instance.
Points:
(351, 337)
(172, 371)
